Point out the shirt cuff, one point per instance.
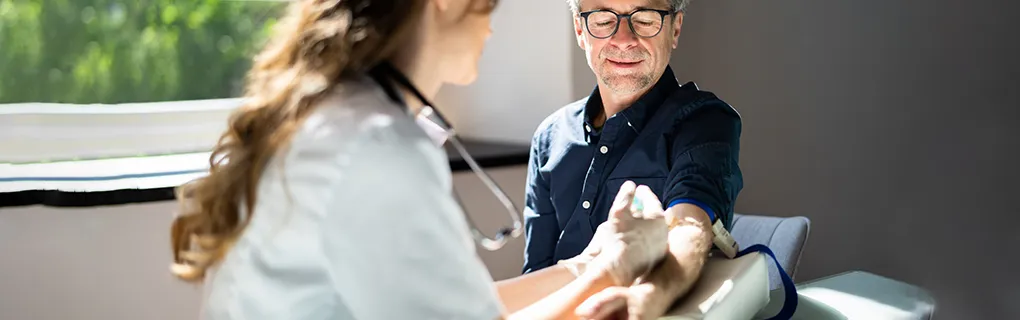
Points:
(702, 205)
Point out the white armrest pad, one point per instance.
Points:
(857, 295)
(728, 289)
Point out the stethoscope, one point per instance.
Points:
(385, 71)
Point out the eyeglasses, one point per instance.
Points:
(503, 234)
(645, 23)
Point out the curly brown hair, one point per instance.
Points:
(316, 44)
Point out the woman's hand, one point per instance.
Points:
(630, 242)
(578, 265)
(624, 248)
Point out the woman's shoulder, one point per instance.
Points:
(356, 109)
(354, 113)
(357, 127)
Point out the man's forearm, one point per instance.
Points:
(689, 244)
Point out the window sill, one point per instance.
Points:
(91, 155)
(102, 182)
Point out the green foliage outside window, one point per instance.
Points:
(117, 51)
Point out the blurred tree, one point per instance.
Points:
(116, 51)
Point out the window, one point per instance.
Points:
(100, 79)
(123, 51)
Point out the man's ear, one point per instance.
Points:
(678, 22)
(579, 32)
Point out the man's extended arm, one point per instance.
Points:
(704, 182)
(703, 185)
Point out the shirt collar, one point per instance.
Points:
(638, 113)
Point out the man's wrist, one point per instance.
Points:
(668, 280)
(657, 298)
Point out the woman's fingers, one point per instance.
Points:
(621, 206)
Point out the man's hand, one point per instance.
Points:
(638, 302)
(649, 299)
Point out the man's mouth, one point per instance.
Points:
(622, 63)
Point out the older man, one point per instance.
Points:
(639, 124)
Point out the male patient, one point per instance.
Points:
(639, 124)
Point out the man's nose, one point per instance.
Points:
(624, 37)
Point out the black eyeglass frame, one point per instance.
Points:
(630, 23)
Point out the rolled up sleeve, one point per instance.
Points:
(705, 153)
(542, 229)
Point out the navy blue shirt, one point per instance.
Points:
(681, 142)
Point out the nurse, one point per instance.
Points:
(326, 199)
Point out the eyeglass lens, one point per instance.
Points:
(603, 24)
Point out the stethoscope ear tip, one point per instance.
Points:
(511, 232)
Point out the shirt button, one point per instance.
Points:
(586, 204)
(587, 128)
(604, 149)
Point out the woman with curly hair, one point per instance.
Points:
(326, 199)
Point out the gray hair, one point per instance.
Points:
(674, 5)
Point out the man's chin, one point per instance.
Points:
(626, 83)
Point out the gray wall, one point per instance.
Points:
(525, 74)
(892, 124)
